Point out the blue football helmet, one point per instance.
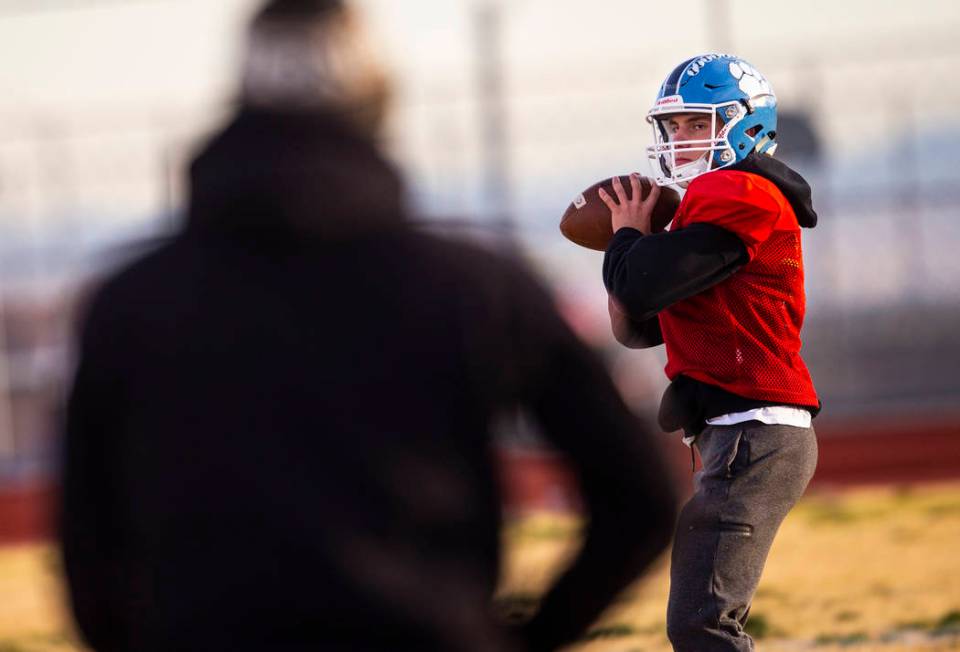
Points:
(742, 109)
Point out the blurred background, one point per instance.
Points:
(503, 112)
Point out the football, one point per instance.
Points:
(587, 220)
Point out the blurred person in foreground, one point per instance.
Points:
(279, 438)
(723, 290)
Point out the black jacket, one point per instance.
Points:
(279, 432)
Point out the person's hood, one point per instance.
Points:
(310, 173)
(794, 187)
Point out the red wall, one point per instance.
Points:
(852, 452)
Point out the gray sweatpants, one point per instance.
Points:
(752, 475)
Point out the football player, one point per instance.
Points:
(723, 290)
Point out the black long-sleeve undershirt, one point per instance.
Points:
(647, 273)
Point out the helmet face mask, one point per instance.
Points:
(742, 110)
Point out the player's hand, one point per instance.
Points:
(633, 212)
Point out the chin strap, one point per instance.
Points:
(684, 173)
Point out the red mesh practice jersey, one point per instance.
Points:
(743, 334)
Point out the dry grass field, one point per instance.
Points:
(32, 615)
(860, 570)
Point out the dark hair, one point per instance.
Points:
(287, 9)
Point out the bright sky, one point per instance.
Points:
(148, 51)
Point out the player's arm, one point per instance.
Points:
(630, 332)
(647, 273)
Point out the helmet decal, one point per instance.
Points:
(670, 99)
(696, 65)
(751, 82)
